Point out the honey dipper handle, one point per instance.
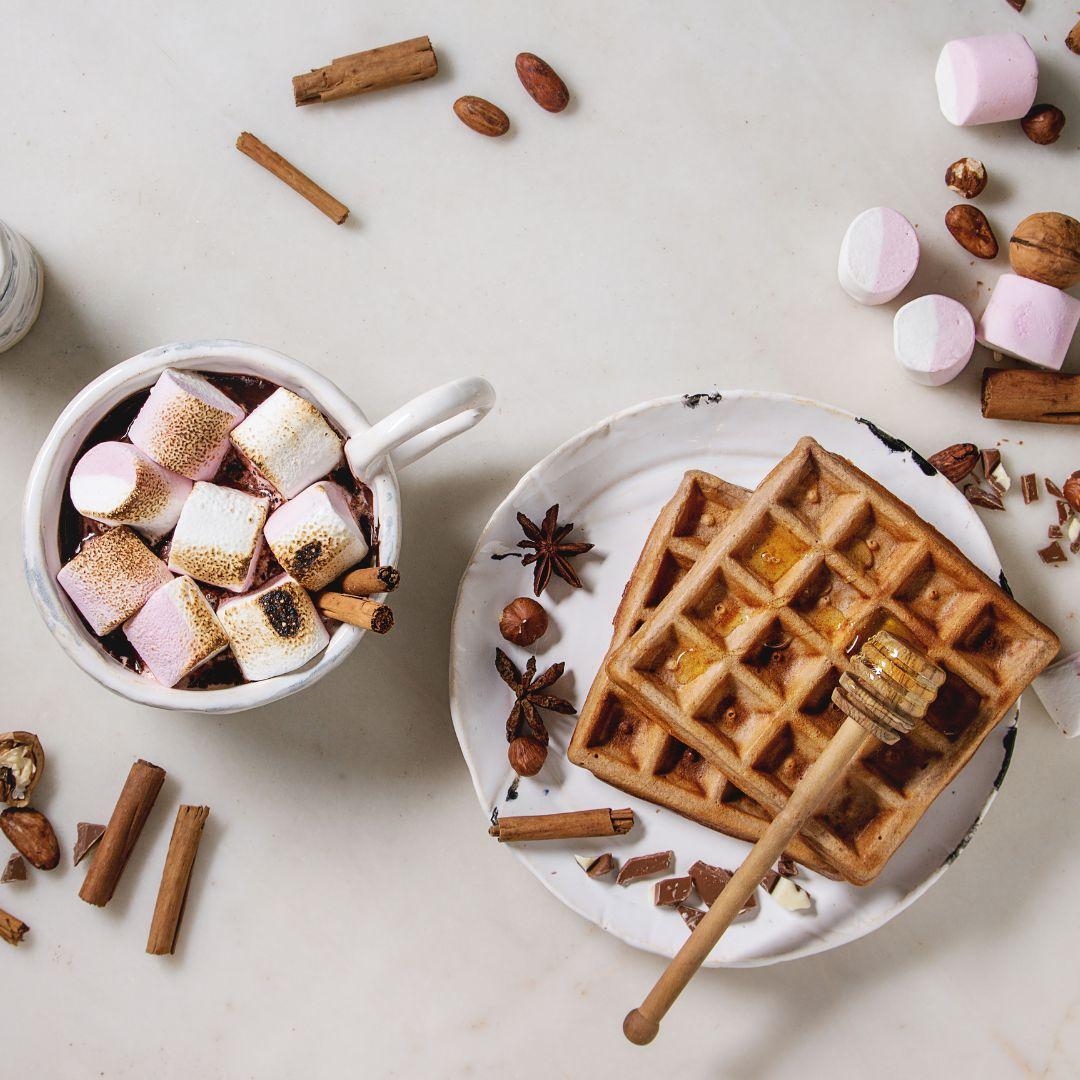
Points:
(642, 1024)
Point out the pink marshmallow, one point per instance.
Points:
(933, 339)
(111, 578)
(982, 80)
(1029, 320)
(878, 256)
(176, 631)
(115, 482)
(315, 536)
(185, 423)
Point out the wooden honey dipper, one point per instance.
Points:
(890, 686)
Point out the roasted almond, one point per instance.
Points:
(482, 116)
(32, 836)
(1071, 490)
(972, 231)
(542, 82)
(957, 461)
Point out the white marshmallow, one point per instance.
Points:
(315, 536)
(273, 630)
(878, 256)
(982, 80)
(1029, 320)
(185, 424)
(176, 631)
(933, 339)
(118, 484)
(219, 536)
(1058, 688)
(111, 578)
(289, 441)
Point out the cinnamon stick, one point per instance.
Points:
(370, 581)
(573, 826)
(1044, 397)
(273, 162)
(12, 930)
(128, 818)
(374, 69)
(175, 878)
(356, 611)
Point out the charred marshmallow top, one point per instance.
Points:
(315, 536)
(273, 630)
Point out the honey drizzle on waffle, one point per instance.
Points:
(867, 555)
(626, 749)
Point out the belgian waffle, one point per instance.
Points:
(616, 741)
(740, 659)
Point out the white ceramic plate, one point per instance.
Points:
(611, 481)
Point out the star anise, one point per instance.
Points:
(550, 551)
(529, 696)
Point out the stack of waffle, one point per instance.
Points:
(742, 613)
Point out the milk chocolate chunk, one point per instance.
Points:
(643, 866)
(596, 866)
(15, 869)
(88, 835)
(690, 915)
(1029, 486)
(1053, 553)
(672, 891)
(1052, 488)
(991, 459)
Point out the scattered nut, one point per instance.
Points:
(1073, 40)
(32, 836)
(971, 230)
(523, 621)
(482, 116)
(527, 755)
(22, 761)
(542, 83)
(1071, 490)
(1046, 247)
(1043, 124)
(956, 461)
(967, 177)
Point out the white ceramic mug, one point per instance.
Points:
(373, 453)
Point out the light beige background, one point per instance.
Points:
(675, 230)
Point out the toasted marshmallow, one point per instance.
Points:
(176, 631)
(219, 536)
(289, 441)
(111, 578)
(273, 630)
(315, 536)
(118, 484)
(185, 423)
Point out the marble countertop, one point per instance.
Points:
(675, 230)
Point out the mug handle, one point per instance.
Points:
(420, 425)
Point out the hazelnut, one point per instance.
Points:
(1043, 124)
(967, 177)
(1071, 490)
(527, 755)
(1046, 247)
(523, 621)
